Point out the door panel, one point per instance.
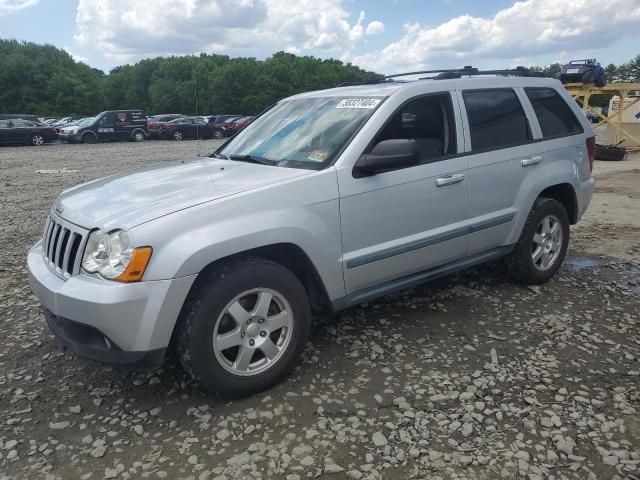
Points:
(501, 179)
(398, 223)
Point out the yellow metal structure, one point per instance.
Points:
(582, 93)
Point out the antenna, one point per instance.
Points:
(195, 95)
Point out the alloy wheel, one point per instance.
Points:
(547, 243)
(253, 332)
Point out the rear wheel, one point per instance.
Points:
(217, 134)
(177, 135)
(36, 139)
(243, 327)
(543, 243)
(138, 136)
(88, 138)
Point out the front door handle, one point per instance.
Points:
(527, 162)
(449, 179)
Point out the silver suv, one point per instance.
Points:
(327, 200)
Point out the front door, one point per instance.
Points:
(410, 219)
(106, 127)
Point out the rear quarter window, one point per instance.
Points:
(554, 115)
(496, 119)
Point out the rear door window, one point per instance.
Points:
(554, 115)
(496, 119)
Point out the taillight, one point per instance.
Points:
(591, 150)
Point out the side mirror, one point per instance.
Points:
(388, 155)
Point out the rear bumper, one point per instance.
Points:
(135, 318)
(584, 195)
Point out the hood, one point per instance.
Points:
(127, 200)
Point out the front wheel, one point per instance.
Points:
(36, 140)
(177, 135)
(243, 327)
(543, 243)
(217, 134)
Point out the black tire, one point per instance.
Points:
(138, 136)
(610, 153)
(520, 262)
(601, 80)
(205, 304)
(36, 140)
(218, 134)
(177, 135)
(89, 138)
(588, 77)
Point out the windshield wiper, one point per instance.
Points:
(252, 159)
(220, 155)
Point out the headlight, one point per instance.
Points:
(72, 131)
(111, 255)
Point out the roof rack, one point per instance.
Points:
(444, 74)
(468, 70)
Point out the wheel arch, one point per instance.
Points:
(290, 256)
(90, 132)
(566, 195)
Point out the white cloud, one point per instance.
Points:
(7, 6)
(525, 29)
(76, 57)
(374, 28)
(128, 31)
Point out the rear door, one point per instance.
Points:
(505, 165)
(564, 147)
(21, 130)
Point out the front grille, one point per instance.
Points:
(62, 246)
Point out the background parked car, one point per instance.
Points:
(187, 127)
(234, 125)
(217, 120)
(23, 131)
(154, 124)
(108, 126)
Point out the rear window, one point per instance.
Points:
(554, 115)
(496, 119)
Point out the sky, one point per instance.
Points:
(387, 36)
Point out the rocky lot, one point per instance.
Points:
(469, 377)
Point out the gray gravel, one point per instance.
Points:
(469, 377)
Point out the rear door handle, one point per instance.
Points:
(527, 162)
(449, 179)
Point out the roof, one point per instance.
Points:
(388, 88)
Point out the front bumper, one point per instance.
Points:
(109, 321)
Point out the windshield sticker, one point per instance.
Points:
(318, 156)
(368, 103)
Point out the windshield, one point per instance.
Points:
(85, 121)
(304, 133)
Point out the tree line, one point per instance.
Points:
(47, 81)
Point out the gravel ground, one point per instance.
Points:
(469, 377)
